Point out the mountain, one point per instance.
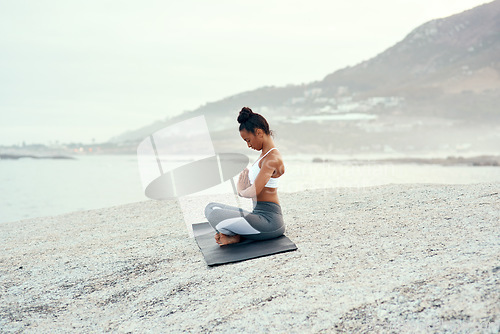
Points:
(437, 89)
(458, 55)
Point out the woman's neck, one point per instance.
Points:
(267, 145)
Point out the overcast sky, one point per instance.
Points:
(74, 70)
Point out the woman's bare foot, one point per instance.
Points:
(228, 239)
(217, 238)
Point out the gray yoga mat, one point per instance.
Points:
(248, 249)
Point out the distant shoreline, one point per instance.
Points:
(21, 156)
(478, 161)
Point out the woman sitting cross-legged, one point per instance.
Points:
(259, 182)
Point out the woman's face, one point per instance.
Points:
(254, 141)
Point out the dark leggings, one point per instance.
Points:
(264, 222)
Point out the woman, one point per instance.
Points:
(260, 183)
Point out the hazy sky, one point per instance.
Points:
(74, 70)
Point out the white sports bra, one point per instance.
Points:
(255, 169)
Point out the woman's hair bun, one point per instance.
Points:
(244, 115)
(251, 121)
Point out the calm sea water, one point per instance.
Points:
(32, 188)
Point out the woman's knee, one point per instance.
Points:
(209, 208)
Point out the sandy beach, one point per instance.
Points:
(394, 258)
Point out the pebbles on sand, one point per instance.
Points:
(413, 258)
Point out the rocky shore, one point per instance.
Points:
(32, 156)
(395, 258)
(482, 160)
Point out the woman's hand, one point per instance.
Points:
(243, 180)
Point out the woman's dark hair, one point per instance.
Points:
(251, 121)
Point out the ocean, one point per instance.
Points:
(32, 188)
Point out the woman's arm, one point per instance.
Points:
(270, 164)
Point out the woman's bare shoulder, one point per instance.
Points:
(273, 158)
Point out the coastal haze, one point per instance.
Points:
(428, 99)
(436, 91)
(83, 72)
